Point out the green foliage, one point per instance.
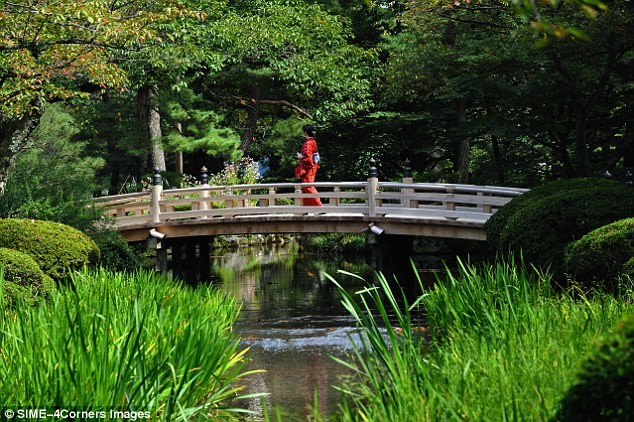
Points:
(22, 279)
(57, 248)
(600, 256)
(201, 129)
(127, 342)
(604, 390)
(479, 345)
(336, 243)
(67, 51)
(115, 252)
(53, 180)
(473, 72)
(288, 57)
(498, 221)
(628, 268)
(542, 222)
(282, 144)
(242, 172)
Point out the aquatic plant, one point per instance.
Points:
(124, 342)
(499, 343)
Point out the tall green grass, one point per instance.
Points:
(500, 344)
(125, 342)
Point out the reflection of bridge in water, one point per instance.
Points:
(183, 220)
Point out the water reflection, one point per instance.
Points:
(293, 320)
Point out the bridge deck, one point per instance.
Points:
(416, 209)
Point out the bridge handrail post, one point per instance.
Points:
(407, 179)
(372, 187)
(334, 200)
(228, 193)
(487, 209)
(299, 201)
(157, 194)
(269, 200)
(204, 194)
(272, 194)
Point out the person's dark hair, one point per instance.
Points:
(309, 129)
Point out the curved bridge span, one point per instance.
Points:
(393, 208)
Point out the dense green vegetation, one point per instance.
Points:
(600, 256)
(23, 280)
(131, 343)
(605, 389)
(93, 95)
(495, 93)
(56, 248)
(491, 342)
(544, 221)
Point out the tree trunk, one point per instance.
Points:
(14, 137)
(151, 124)
(498, 160)
(178, 157)
(464, 147)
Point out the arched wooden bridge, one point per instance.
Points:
(402, 208)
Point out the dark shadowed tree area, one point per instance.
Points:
(489, 93)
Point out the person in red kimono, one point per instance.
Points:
(306, 169)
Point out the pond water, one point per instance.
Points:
(293, 321)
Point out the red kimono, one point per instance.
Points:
(306, 170)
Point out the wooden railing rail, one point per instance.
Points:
(370, 198)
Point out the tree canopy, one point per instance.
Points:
(482, 91)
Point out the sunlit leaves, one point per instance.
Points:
(308, 54)
(46, 48)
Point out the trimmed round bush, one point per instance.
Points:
(23, 280)
(499, 220)
(542, 226)
(56, 248)
(605, 388)
(600, 255)
(628, 268)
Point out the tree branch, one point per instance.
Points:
(249, 103)
(284, 103)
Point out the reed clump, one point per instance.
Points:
(500, 343)
(123, 342)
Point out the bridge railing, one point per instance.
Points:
(362, 198)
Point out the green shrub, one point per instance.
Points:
(55, 247)
(601, 254)
(605, 389)
(628, 268)
(22, 279)
(500, 219)
(115, 252)
(337, 243)
(53, 178)
(542, 227)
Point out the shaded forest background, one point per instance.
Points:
(96, 94)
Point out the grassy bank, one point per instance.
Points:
(124, 342)
(497, 343)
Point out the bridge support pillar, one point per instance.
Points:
(190, 258)
(390, 255)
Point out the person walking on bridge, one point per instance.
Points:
(308, 163)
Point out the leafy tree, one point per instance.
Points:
(54, 50)
(201, 128)
(527, 114)
(181, 46)
(53, 179)
(287, 58)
